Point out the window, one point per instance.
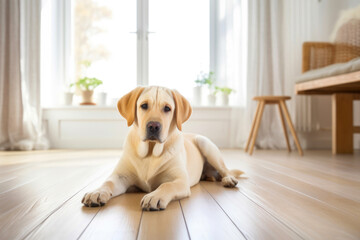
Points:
(103, 45)
(170, 38)
(179, 43)
(125, 43)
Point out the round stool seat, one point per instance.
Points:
(271, 98)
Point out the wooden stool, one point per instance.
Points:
(280, 100)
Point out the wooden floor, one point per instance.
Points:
(316, 196)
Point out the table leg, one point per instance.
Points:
(342, 123)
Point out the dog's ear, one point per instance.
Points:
(182, 109)
(127, 105)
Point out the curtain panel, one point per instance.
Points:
(21, 122)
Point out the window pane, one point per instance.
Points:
(102, 38)
(179, 47)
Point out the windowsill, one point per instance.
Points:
(108, 107)
(102, 126)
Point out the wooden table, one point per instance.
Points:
(344, 89)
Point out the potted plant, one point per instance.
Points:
(212, 97)
(202, 80)
(101, 98)
(209, 80)
(87, 86)
(197, 91)
(224, 94)
(68, 95)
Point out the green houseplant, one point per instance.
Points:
(87, 85)
(225, 92)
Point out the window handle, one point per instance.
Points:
(138, 35)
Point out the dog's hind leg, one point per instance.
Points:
(213, 156)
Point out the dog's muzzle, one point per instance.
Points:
(153, 130)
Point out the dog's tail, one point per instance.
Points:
(213, 156)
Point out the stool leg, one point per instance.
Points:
(284, 127)
(292, 129)
(252, 127)
(257, 124)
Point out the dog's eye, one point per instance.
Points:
(144, 106)
(167, 109)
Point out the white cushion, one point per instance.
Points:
(345, 16)
(331, 70)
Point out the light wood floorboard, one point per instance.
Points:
(284, 196)
(169, 223)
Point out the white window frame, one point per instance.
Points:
(142, 42)
(57, 55)
(213, 32)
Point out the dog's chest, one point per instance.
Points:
(147, 172)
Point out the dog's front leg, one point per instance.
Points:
(166, 192)
(114, 185)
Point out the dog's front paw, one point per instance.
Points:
(229, 181)
(154, 202)
(96, 198)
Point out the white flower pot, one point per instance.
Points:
(197, 95)
(101, 98)
(211, 100)
(68, 98)
(224, 99)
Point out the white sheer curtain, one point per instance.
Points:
(266, 67)
(249, 58)
(229, 59)
(251, 61)
(21, 124)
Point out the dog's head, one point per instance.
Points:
(154, 111)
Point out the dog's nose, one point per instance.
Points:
(153, 127)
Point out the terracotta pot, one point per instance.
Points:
(87, 97)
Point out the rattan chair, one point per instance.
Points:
(345, 48)
(344, 88)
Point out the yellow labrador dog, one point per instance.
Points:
(158, 158)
